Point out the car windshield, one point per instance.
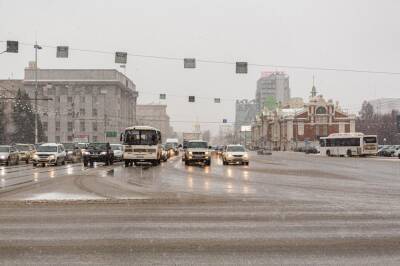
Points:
(197, 144)
(47, 148)
(97, 146)
(116, 147)
(141, 137)
(69, 146)
(235, 148)
(4, 149)
(22, 147)
(82, 145)
(170, 145)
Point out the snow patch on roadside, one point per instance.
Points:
(62, 196)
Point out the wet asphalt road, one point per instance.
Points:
(287, 208)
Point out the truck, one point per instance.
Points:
(172, 145)
(186, 136)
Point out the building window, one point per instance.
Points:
(321, 110)
(82, 112)
(94, 112)
(70, 126)
(58, 125)
(325, 130)
(58, 139)
(69, 138)
(300, 129)
(44, 126)
(341, 128)
(82, 126)
(94, 126)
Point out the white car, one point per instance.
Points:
(50, 153)
(235, 154)
(118, 150)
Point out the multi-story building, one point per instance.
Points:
(154, 115)
(87, 104)
(385, 105)
(273, 85)
(245, 111)
(289, 128)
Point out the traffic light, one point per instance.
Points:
(12, 47)
(121, 57)
(189, 63)
(241, 67)
(163, 96)
(62, 52)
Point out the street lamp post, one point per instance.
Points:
(37, 47)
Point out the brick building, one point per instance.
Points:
(288, 128)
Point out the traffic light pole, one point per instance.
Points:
(36, 94)
(36, 46)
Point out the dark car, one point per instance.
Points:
(98, 152)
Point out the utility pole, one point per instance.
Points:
(105, 128)
(36, 46)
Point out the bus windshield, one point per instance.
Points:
(141, 137)
(369, 139)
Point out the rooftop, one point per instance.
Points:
(78, 75)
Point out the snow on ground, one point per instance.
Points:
(62, 196)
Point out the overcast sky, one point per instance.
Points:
(339, 34)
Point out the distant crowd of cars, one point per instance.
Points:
(61, 153)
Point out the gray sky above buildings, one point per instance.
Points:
(338, 34)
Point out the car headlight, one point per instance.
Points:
(229, 155)
(51, 157)
(2, 157)
(246, 156)
(35, 157)
(103, 153)
(190, 153)
(207, 153)
(70, 152)
(86, 153)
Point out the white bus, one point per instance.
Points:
(142, 144)
(350, 144)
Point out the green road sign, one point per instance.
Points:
(111, 134)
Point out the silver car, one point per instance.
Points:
(118, 150)
(8, 155)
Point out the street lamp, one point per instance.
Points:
(37, 47)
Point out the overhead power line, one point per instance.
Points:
(214, 61)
